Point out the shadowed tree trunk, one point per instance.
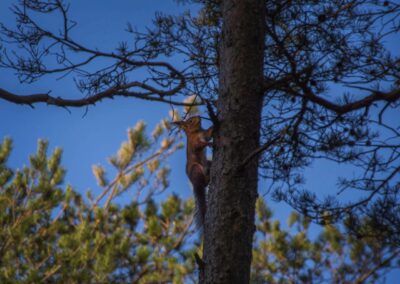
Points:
(233, 190)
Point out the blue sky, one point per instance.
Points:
(97, 135)
(91, 139)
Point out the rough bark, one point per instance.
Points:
(233, 189)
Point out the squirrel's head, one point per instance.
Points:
(189, 125)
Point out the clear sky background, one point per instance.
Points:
(90, 139)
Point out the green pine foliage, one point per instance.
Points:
(292, 256)
(51, 234)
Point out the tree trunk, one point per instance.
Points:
(229, 224)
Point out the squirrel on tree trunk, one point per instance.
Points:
(197, 165)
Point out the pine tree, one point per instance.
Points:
(52, 234)
(264, 71)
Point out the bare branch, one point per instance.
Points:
(110, 94)
(365, 102)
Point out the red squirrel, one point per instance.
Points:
(197, 165)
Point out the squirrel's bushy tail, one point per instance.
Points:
(198, 179)
(200, 203)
